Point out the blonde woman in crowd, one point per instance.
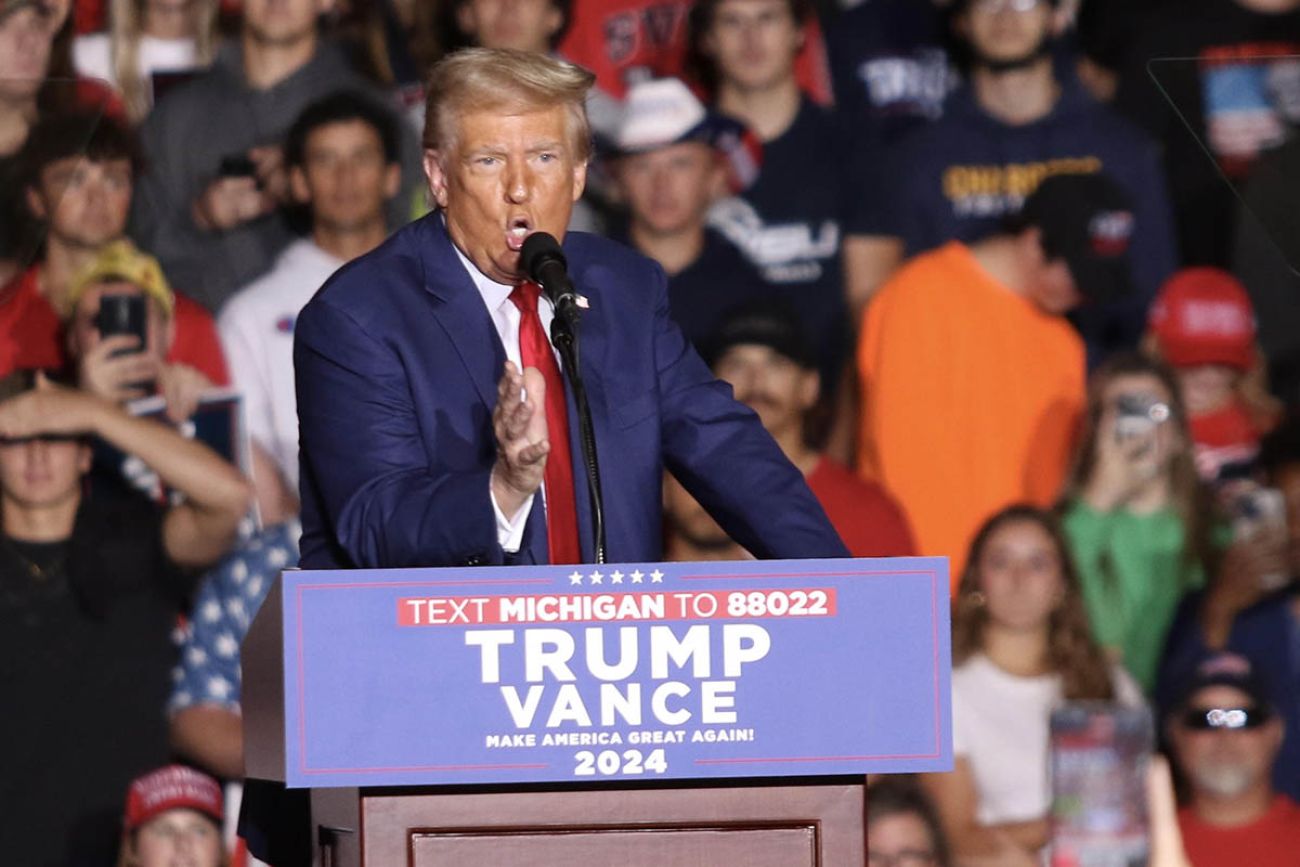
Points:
(148, 38)
(1021, 646)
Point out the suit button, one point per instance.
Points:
(475, 560)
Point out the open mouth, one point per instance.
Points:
(519, 229)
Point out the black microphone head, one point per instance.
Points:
(540, 249)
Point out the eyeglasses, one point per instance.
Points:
(901, 858)
(1205, 719)
(999, 5)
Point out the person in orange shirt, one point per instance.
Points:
(972, 381)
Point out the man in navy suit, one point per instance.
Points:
(426, 431)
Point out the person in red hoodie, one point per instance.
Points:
(1203, 325)
(78, 175)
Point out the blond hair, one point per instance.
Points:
(504, 80)
(126, 27)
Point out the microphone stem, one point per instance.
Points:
(564, 334)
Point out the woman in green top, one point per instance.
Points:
(1138, 521)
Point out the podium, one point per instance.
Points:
(668, 714)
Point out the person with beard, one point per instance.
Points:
(760, 351)
(1225, 735)
(1018, 120)
(1244, 611)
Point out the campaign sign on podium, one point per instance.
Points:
(630, 672)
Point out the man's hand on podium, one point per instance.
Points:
(519, 424)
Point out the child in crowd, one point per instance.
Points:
(902, 828)
(1021, 645)
(173, 816)
(1203, 325)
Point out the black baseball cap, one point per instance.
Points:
(1225, 669)
(1086, 220)
(766, 322)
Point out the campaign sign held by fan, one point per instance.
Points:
(616, 673)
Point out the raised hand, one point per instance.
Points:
(519, 425)
(117, 377)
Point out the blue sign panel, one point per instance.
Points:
(632, 672)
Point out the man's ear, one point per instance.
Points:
(960, 26)
(810, 386)
(466, 20)
(1030, 241)
(298, 186)
(392, 180)
(35, 204)
(1063, 17)
(579, 179)
(437, 175)
(718, 187)
(85, 459)
(554, 20)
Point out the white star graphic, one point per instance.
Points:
(575, 578)
(656, 577)
(225, 646)
(616, 577)
(596, 578)
(636, 576)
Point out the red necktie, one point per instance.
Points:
(535, 351)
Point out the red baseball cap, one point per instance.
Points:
(170, 788)
(1204, 316)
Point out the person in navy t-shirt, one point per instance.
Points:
(670, 169)
(788, 223)
(1021, 118)
(890, 65)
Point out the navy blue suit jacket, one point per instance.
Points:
(397, 363)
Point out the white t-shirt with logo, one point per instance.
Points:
(1000, 725)
(256, 326)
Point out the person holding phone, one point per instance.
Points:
(1245, 610)
(1140, 526)
(120, 327)
(1021, 646)
(77, 179)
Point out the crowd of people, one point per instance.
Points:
(1009, 281)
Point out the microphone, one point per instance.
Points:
(544, 263)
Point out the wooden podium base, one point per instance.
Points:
(739, 823)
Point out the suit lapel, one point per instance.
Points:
(461, 312)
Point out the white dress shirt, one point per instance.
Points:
(506, 317)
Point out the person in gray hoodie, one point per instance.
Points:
(213, 204)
